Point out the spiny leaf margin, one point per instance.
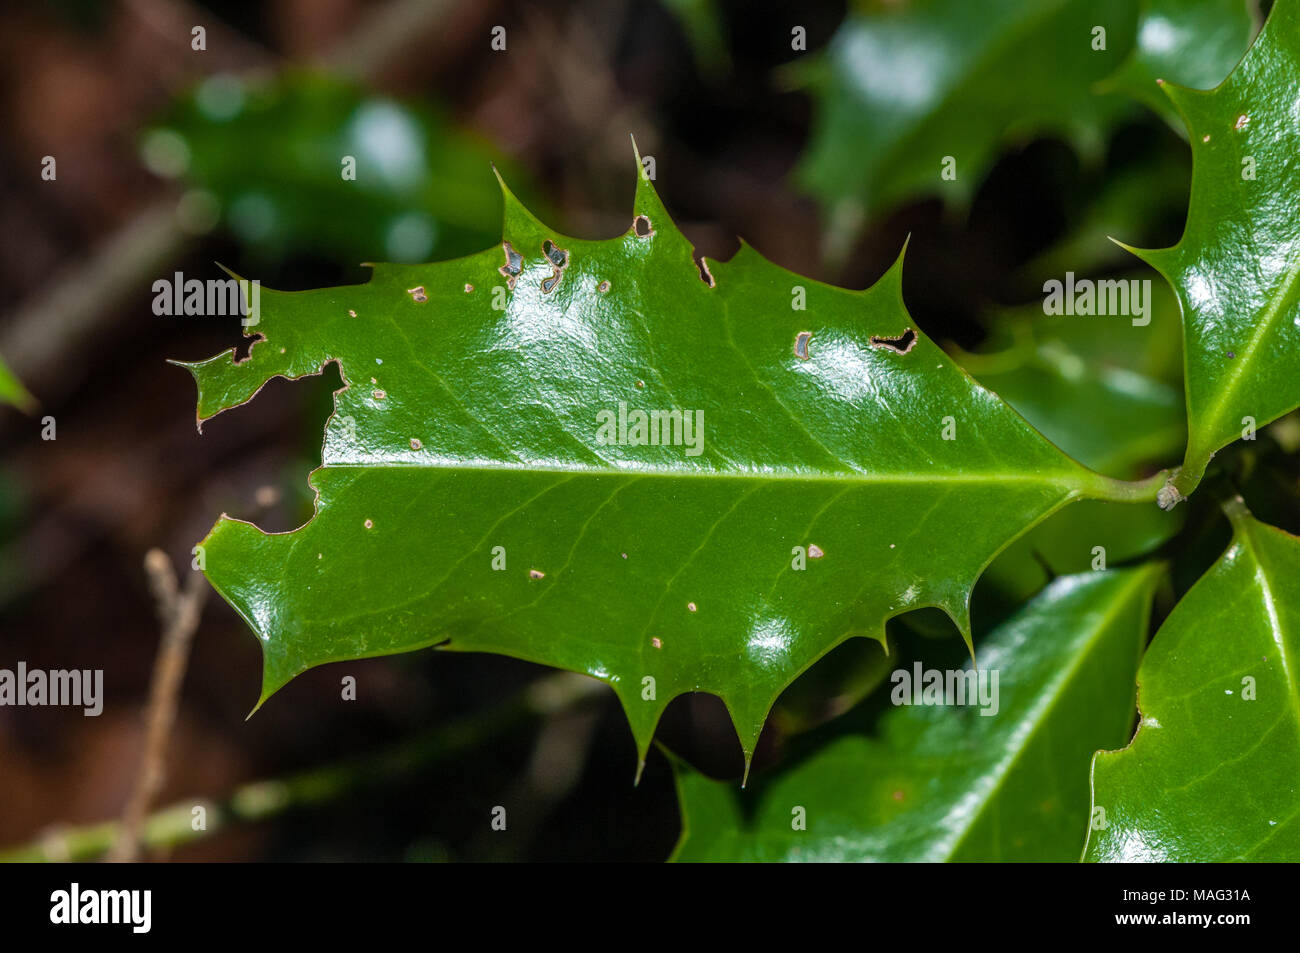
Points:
(557, 343)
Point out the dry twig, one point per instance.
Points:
(178, 613)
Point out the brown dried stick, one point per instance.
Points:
(178, 612)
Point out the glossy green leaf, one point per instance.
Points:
(304, 162)
(816, 494)
(1213, 773)
(1235, 268)
(902, 86)
(1193, 43)
(950, 783)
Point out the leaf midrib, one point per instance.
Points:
(865, 477)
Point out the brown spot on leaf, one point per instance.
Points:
(815, 551)
(559, 259)
(902, 343)
(706, 276)
(558, 256)
(801, 345)
(252, 341)
(513, 266)
(417, 294)
(536, 574)
(603, 287)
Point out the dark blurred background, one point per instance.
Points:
(147, 186)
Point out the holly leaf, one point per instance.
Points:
(1005, 778)
(1235, 268)
(491, 481)
(902, 88)
(1211, 774)
(1193, 43)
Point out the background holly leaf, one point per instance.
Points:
(901, 86)
(468, 437)
(1141, 192)
(272, 153)
(1124, 373)
(1235, 268)
(949, 783)
(1212, 773)
(1193, 43)
(1049, 367)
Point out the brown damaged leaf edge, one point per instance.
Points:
(257, 339)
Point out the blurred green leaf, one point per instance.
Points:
(12, 390)
(835, 683)
(1132, 201)
(1193, 43)
(304, 162)
(902, 86)
(701, 21)
(1104, 390)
